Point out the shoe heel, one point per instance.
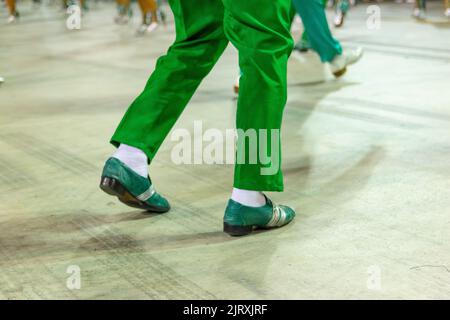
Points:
(340, 73)
(236, 231)
(111, 186)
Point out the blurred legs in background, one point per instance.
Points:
(342, 8)
(420, 8)
(149, 11)
(319, 37)
(149, 16)
(304, 44)
(13, 14)
(124, 11)
(81, 3)
(316, 35)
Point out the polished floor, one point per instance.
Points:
(366, 163)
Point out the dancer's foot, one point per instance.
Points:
(240, 220)
(419, 14)
(339, 64)
(2, 80)
(12, 18)
(147, 28)
(152, 27)
(447, 13)
(131, 188)
(339, 19)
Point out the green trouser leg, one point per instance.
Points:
(421, 4)
(264, 43)
(260, 30)
(343, 6)
(305, 37)
(200, 41)
(316, 27)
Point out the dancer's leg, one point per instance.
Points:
(148, 7)
(11, 5)
(264, 42)
(316, 26)
(200, 41)
(341, 10)
(304, 43)
(260, 30)
(420, 8)
(124, 11)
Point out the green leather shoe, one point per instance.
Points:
(240, 220)
(131, 188)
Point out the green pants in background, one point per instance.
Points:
(260, 30)
(317, 34)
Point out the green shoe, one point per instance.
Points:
(240, 220)
(131, 188)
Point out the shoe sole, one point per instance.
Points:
(113, 187)
(238, 231)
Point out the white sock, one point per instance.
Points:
(248, 197)
(133, 158)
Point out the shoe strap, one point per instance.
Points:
(278, 217)
(147, 194)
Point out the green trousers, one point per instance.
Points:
(260, 30)
(317, 34)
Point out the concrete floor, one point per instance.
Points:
(366, 163)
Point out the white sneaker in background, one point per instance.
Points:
(348, 57)
(147, 28)
(11, 19)
(447, 13)
(338, 19)
(419, 13)
(152, 27)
